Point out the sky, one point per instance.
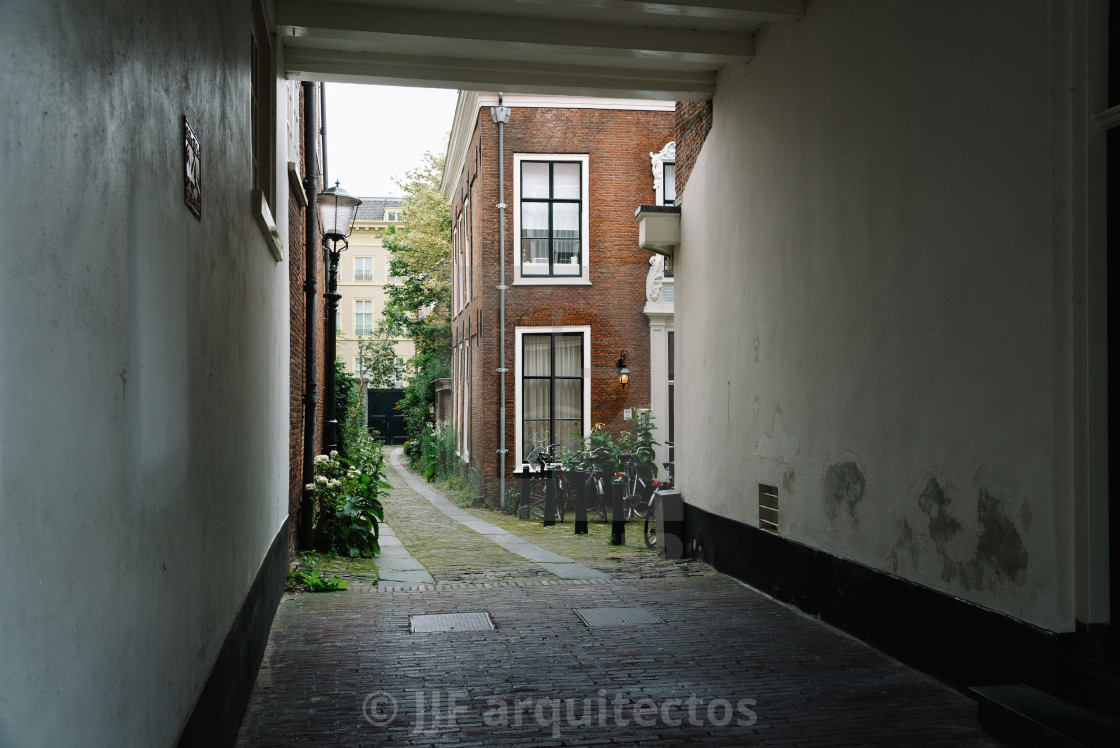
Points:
(377, 133)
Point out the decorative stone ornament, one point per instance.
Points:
(668, 154)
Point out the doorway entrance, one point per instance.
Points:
(384, 416)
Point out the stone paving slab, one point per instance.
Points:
(395, 565)
(727, 666)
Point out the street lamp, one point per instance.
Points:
(337, 210)
(623, 372)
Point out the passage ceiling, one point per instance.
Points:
(653, 50)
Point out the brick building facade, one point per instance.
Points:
(574, 171)
(297, 363)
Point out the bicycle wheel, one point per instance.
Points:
(650, 526)
(536, 502)
(597, 498)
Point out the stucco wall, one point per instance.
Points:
(879, 318)
(143, 366)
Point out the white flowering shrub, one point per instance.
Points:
(347, 494)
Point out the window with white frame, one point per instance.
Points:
(551, 218)
(459, 265)
(669, 180)
(363, 269)
(467, 291)
(454, 269)
(363, 317)
(392, 215)
(466, 444)
(553, 397)
(664, 164)
(665, 185)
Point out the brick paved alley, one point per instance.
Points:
(676, 654)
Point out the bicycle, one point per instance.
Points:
(546, 461)
(590, 462)
(636, 492)
(650, 531)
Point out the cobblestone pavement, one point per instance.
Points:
(707, 661)
(452, 552)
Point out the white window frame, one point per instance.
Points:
(356, 313)
(667, 155)
(363, 280)
(465, 450)
(521, 332)
(467, 290)
(584, 278)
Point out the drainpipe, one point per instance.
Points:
(323, 127)
(311, 244)
(500, 114)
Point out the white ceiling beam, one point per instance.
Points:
(297, 18)
(747, 11)
(522, 77)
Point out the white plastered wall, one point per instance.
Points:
(143, 366)
(877, 255)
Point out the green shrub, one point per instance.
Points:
(346, 492)
(637, 441)
(349, 410)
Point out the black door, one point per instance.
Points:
(384, 416)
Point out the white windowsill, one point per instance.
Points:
(552, 281)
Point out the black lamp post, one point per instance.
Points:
(337, 210)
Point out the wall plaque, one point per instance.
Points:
(192, 168)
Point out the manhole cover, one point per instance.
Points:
(426, 624)
(595, 617)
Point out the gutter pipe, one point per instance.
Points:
(500, 115)
(311, 244)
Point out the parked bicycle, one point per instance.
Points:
(545, 460)
(650, 532)
(637, 493)
(591, 463)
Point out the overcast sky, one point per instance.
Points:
(377, 133)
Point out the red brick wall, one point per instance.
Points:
(297, 269)
(693, 121)
(618, 144)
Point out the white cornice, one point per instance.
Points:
(462, 130)
(470, 102)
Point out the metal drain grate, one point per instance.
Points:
(428, 624)
(597, 617)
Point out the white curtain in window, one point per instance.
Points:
(568, 409)
(536, 393)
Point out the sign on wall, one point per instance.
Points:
(192, 167)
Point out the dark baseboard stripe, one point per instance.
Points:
(217, 714)
(949, 638)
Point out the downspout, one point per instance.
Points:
(311, 244)
(323, 127)
(500, 115)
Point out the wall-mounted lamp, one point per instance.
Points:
(623, 372)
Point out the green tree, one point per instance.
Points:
(381, 366)
(419, 307)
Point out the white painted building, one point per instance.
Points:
(363, 280)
